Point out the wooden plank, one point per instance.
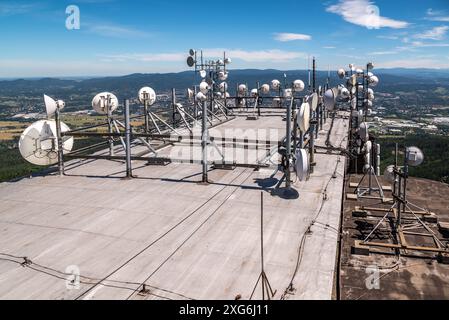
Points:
(351, 196)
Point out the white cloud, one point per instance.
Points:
(8, 9)
(364, 13)
(388, 37)
(156, 57)
(116, 31)
(437, 33)
(238, 54)
(419, 44)
(329, 47)
(380, 53)
(413, 63)
(284, 37)
(440, 16)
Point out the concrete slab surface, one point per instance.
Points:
(182, 239)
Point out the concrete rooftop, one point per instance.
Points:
(183, 239)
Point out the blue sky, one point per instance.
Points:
(122, 37)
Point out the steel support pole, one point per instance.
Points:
(204, 140)
(59, 143)
(173, 99)
(129, 173)
(147, 125)
(288, 142)
(110, 129)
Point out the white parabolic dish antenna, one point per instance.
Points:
(265, 88)
(364, 131)
(415, 157)
(51, 105)
(304, 117)
(102, 101)
(389, 173)
(147, 94)
(275, 84)
(302, 164)
(204, 87)
(298, 85)
(329, 99)
(38, 144)
(313, 101)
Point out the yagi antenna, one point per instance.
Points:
(329, 99)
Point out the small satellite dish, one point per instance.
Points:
(147, 94)
(313, 101)
(298, 85)
(304, 117)
(265, 88)
(51, 105)
(223, 76)
(201, 96)
(228, 61)
(373, 81)
(204, 87)
(190, 61)
(415, 157)
(389, 174)
(344, 93)
(288, 93)
(275, 84)
(242, 102)
(192, 52)
(105, 101)
(38, 146)
(203, 74)
(254, 92)
(302, 164)
(364, 131)
(242, 88)
(341, 73)
(329, 99)
(223, 87)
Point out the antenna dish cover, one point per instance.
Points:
(147, 94)
(302, 164)
(304, 117)
(102, 101)
(38, 144)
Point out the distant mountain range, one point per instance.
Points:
(127, 86)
